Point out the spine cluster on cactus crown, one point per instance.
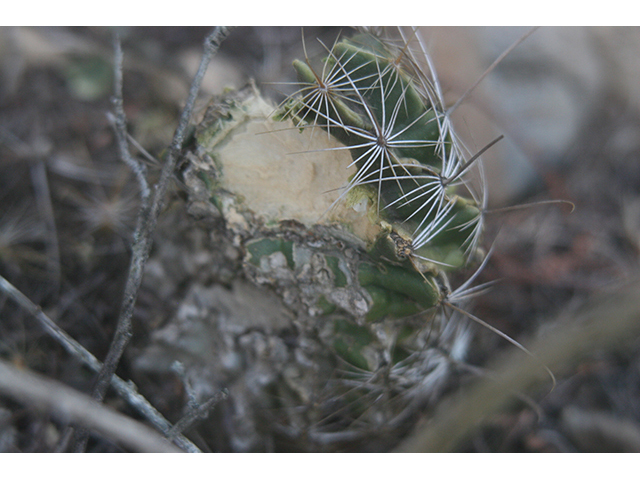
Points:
(386, 109)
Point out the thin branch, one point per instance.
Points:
(147, 221)
(120, 124)
(72, 406)
(124, 389)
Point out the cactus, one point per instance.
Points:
(348, 208)
(375, 100)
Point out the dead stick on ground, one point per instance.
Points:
(124, 389)
(147, 220)
(72, 406)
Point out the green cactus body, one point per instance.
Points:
(348, 207)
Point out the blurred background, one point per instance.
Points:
(566, 99)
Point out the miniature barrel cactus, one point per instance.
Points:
(338, 218)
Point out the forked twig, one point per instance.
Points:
(149, 212)
(147, 220)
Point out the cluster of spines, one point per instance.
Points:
(388, 113)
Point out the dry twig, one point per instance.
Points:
(147, 220)
(72, 406)
(148, 215)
